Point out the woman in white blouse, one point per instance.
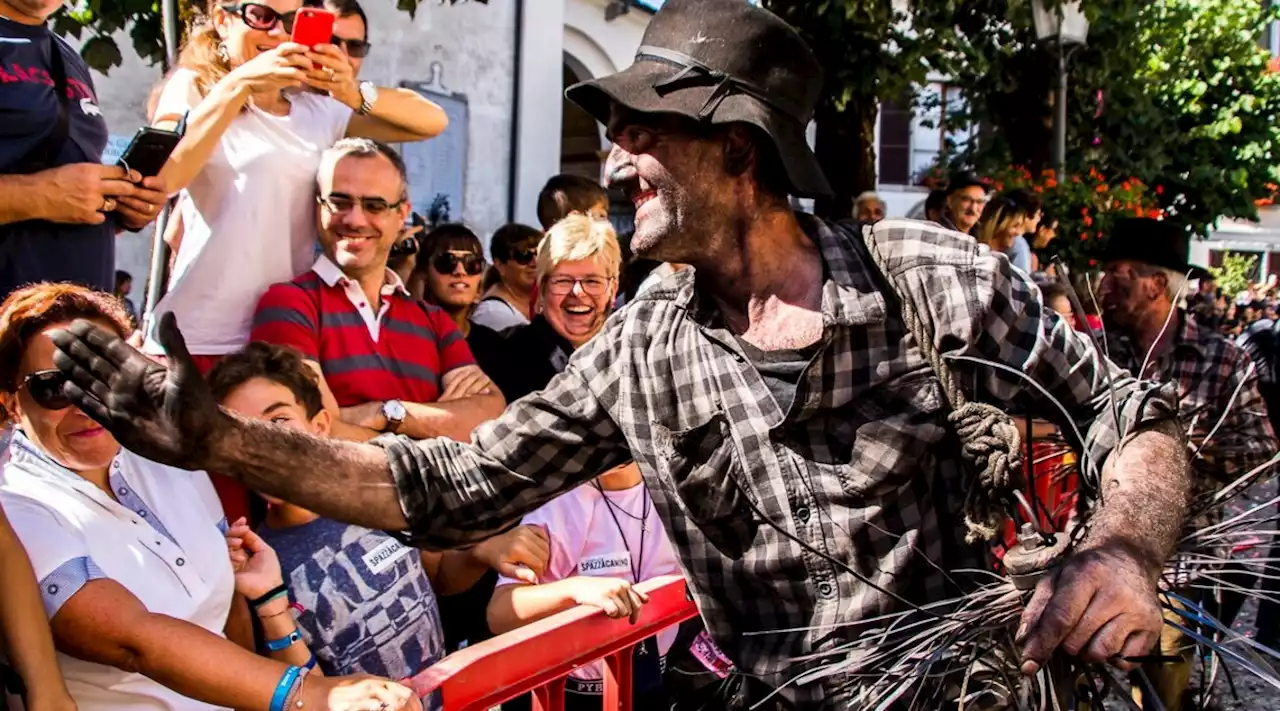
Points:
(130, 556)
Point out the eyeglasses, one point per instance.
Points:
(355, 48)
(592, 286)
(45, 387)
(524, 256)
(261, 17)
(338, 203)
(446, 262)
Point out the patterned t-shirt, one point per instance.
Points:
(367, 605)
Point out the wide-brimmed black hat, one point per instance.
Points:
(1159, 243)
(722, 61)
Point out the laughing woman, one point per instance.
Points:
(129, 554)
(576, 282)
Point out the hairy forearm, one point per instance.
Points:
(1146, 485)
(455, 419)
(352, 433)
(344, 481)
(19, 198)
(22, 618)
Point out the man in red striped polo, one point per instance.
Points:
(388, 363)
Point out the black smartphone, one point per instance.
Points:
(149, 150)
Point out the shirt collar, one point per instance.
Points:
(331, 274)
(28, 456)
(850, 294)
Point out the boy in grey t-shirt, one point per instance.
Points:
(363, 601)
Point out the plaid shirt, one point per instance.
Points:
(861, 471)
(1208, 370)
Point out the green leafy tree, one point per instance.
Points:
(871, 50)
(1175, 94)
(97, 22)
(1237, 272)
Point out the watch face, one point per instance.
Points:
(394, 410)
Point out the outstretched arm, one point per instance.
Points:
(446, 493)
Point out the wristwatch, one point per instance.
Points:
(368, 97)
(394, 412)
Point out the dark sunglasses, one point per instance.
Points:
(524, 256)
(45, 387)
(445, 263)
(373, 206)
(355, 48)
(261, 17)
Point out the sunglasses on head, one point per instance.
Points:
(446, 262)
(355, 48)
(45, 387)
(261, 17)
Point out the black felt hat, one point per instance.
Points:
(720, 62)
(1159, 243)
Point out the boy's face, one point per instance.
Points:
(269, 401)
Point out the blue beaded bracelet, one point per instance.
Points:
(279, 645)
(284, 687)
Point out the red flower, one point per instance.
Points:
(1102, 188)
(1093, 262)
(1075, 179)
(1084, 236)
(1088, 221)
(1051, 183)
(1038, 189)
(1084, 211)
(1159, 190)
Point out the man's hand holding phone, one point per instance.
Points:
(83, 193)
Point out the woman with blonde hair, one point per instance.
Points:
(576, 281)
(1004, 219)
(258, 111)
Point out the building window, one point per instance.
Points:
(912, 142)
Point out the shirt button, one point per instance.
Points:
(53, 589)
(142, 513)
(180, 562)
(826, 589)
(122, 491)
(802, 513)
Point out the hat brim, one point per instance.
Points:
(633, 88)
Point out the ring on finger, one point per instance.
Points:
(108, 204)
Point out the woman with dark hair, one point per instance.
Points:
(508, 291)
(131, 557)
(448, 272)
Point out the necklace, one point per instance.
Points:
(637, 564)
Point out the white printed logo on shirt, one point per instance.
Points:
(382, 558)
(610, 564)
(88, 108)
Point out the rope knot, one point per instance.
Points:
(991, 446)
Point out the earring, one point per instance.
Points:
(223, 54)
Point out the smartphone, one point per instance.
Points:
(313, 26)
(149, 150)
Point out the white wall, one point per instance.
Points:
(599, 46)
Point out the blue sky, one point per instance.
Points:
(651, 4)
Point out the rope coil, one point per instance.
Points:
(990, 444)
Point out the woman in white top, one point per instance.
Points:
(259, 112)
(130, 557)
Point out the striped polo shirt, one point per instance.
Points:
(399, 352)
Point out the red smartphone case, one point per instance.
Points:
(313, 26)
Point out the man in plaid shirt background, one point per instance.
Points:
(1219, 405)
(792, 435)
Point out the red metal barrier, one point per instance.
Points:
(537, 657)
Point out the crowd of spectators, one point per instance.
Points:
(311, 296)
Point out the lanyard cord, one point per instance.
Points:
(636, 565)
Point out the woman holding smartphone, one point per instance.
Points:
(256, 125)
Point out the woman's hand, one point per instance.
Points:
(273, 70)
(334, 76)
(615, 596)
(255, 563)
(357, 693)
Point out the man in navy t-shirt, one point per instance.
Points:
(60, 208)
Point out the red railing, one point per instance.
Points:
(537, 657)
